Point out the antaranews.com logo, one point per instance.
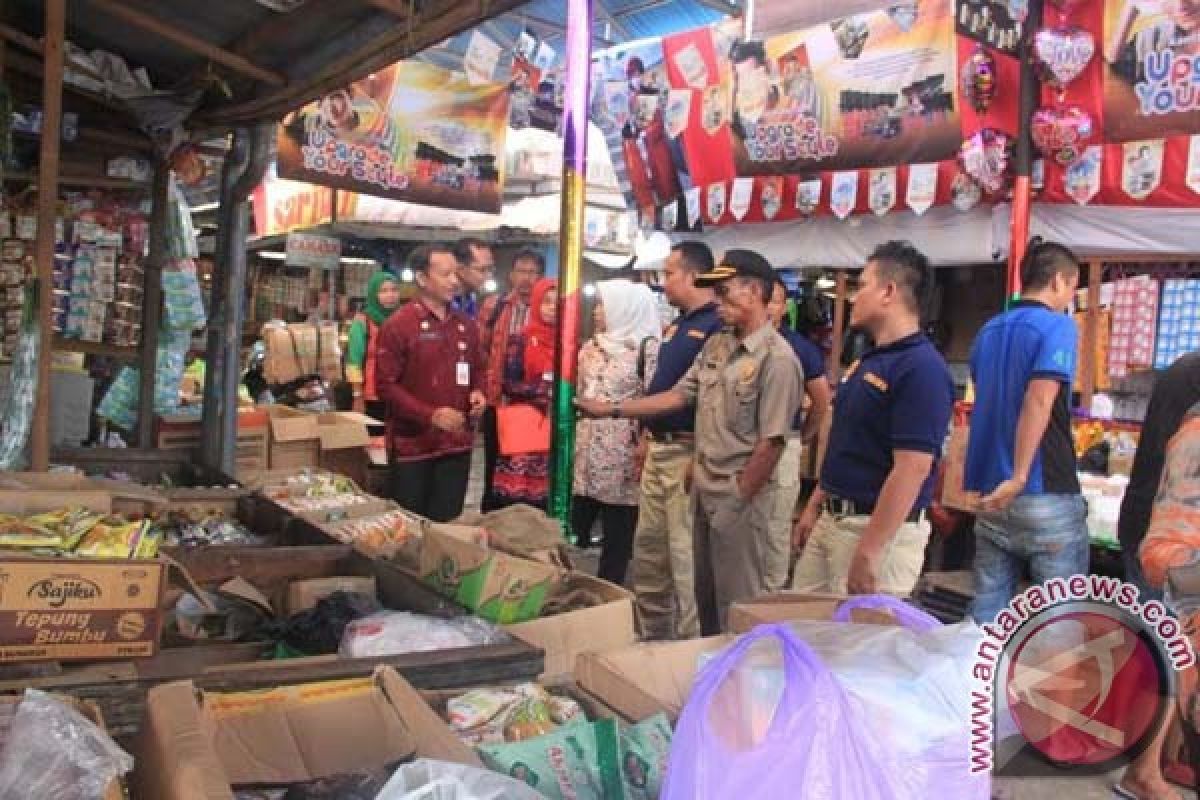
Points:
(1078, 670)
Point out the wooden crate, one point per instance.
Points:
(250, 449)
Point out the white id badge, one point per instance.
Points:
(463, 374)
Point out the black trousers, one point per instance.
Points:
(619, 523)
(434, 487)
(491, 451)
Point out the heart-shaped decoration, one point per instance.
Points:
(978, 79)
(904, 15)
(1065, 6)
(984, 157)
(1062, 54)
(1062, 133)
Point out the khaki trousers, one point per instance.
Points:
(825, 564)
(662, 565)
(779, 538)
(731, 545)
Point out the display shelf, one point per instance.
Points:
(93, 181)
(96, 349)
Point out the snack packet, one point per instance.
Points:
(576, 762)
(645, 748)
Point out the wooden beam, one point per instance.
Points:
(189, 41)
(399, 8)
(152, 300)
(10, 34)
(1091, 330)
(839, 328)
(47, 208)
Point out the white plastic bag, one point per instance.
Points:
(428, 779)
(52, 750)
(390, 633)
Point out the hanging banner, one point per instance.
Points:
(544, 59)
(1081, 180)
(861, 91)
(739, 200)
(716, 203)
(995, 23)
(922, 187)
(881, 190)
(1193, 164)
(844, 193)
(1141, 167)
(479, 62)
(1152, 80)
(679, 109)
(965, 193)
(410, 132)
(313, 250)
(692, 199)
(771, 198)
(808, 196)
(670, 217)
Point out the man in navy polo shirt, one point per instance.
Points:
(662, 572)
(864, 529)
(1021, 455)
(804, 432)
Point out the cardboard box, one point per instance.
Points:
(344, 443)
(563, 637)
(198, 746)
(782, 607)
(496, 586)
(8, 708)
(34, 492)
(303, 595)
(74, 609)
(295, 438)
(644, 679)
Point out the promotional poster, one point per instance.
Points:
(411, 132)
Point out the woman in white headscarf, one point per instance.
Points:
(614, 365)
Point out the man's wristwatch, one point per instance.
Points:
(616, 411)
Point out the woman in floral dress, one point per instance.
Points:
(614, 365)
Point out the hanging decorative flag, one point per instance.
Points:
(1141, 167)
(771, 197)
(678, 111)
(716, 202)
(881, 191)
(479, 62)
(844, 193)
(739, 200)
(808, 196)
(922, 187)
(715, 109)
(965, 193)
(670, 217)
(1193, 167)
(692, 66)
(544, 59)
(692, 197)
(527, 46)
(1081, 180)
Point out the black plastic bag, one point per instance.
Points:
(318, 630)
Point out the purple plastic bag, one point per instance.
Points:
(817, 746)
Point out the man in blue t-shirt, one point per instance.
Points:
(662, 566)
(1021, 455)
(864, 529)
(804, 432)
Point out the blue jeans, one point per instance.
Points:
(1047, 531)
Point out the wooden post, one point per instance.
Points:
(1091, 330)
(839, 328)
(47, 202)
(152, 304)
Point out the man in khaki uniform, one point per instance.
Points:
(746, 386)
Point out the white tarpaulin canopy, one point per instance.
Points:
(953, 238)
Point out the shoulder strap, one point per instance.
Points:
(641, 360)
